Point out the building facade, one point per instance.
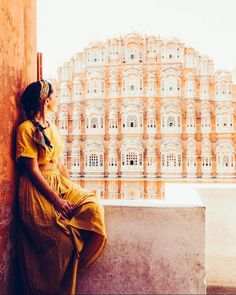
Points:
(139, 106)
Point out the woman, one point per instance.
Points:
(61, 225)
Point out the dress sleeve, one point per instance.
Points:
(25, 145)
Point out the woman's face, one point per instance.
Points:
(53, 102)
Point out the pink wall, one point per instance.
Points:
(17, 69)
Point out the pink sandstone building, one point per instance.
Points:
(143, 107)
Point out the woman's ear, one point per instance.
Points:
(47, 100)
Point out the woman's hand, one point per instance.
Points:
(63, 206)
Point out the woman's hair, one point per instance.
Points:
(30, 100)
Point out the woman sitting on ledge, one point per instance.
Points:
(61, 225)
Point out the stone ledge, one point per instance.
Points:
(152, 249)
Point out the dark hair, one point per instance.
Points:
(30, 100)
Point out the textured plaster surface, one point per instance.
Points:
(150, 250)
(17, 69)
(220, 202)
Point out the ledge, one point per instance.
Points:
(154, 247)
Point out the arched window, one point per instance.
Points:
(95, 86)
(131, 159)
(190, 88)
(112, 161)
(224, 120)
(171, 160)
(94, 123)
(169, 86)
(226, 161)
(132, 121)
(171, 121)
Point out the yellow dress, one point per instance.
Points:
(50, 245)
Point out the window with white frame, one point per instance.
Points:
(63, 124)
(191, 121)
(76, 124)
(169, 86)
(75, 162)
(151, 123)
(101, 160)
(131, 159)
(132, 121)
(113, 124)
(163, 161)
(140, 159)
(190, 61)
(113, 89)
(114, 52)
(94, 122)
(206, 161)
(77, 91)
(112, 161)
(170, 160)
(204, 67)
(190, 88)
(95, 87)
(191, 161)
(226, 162)
(93, 160)
(132, 54)
(171, 122)
(151, 87)
(204, 89)
(64, 93)
(151, 161)
(224, 122)
(206, 122)
(222, 90)
(225, 157)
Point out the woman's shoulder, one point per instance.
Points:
(26, 125)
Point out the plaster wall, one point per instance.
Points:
(17, 69)
(154, 247)
(220, 205)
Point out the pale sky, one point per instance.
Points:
(65, 27)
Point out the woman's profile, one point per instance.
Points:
(61, 225)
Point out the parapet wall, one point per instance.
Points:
(154, 247)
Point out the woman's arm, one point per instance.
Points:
(61, 205)
(62, 168)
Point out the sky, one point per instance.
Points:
(65, 27)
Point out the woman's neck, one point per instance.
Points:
(42, 119)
